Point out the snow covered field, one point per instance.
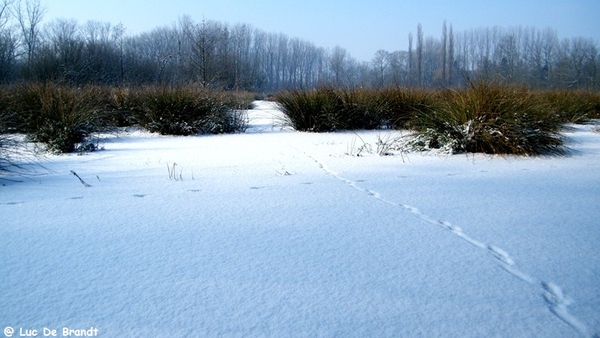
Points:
(282, 234)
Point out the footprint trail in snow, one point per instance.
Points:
(557, 301)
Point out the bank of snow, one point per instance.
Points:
(280, 233)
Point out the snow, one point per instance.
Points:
(279, 233)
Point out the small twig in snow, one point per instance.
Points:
(80, 179)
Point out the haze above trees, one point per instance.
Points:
(241, 57)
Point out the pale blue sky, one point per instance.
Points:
(361, 27)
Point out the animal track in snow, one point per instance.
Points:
(558, 303)
(508, 264)
(501, 255)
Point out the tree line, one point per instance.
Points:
(240, 57)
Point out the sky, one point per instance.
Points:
(360, 27)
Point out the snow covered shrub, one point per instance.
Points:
(491, 119)
(185, 111)
(228, 121)
(58, 116)
(235, 116)
(327, 109)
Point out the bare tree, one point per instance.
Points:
(208, 50)
(66, 45)
(549, 46)
(118, 33)
(5, 12)
(410, 59)
(380, 63)
(337, 63)
(241, 43)
(431, 63)
(420, 55)
(444, 54)
(101, 54)
(576, 64)
(8, 43)
(240, 57)
(450, 56)
(29, 16)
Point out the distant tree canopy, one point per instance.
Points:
(240, 57)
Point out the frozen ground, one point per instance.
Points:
(280, 233)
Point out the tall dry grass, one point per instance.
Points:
(182, 110)
(58, 116)
(484, 117)
(490, 118)
(399, 106)
(63, 117)
(328, 109)
(573, 106)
